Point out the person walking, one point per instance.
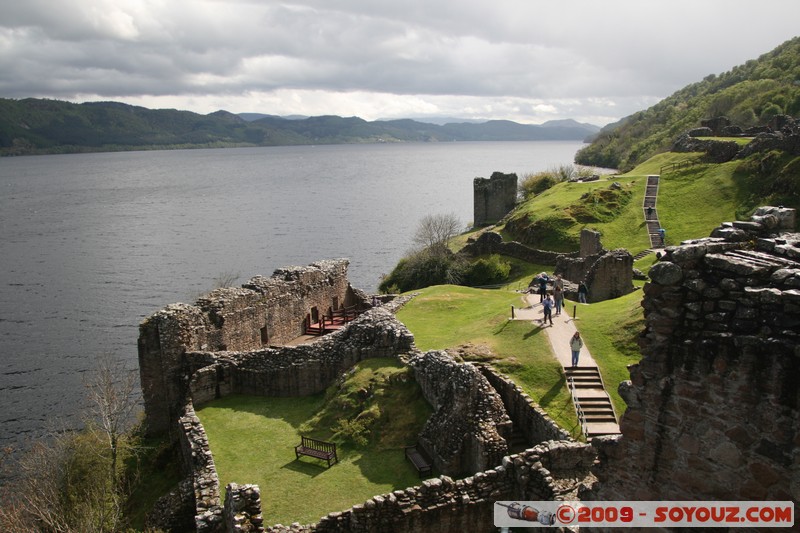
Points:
(663, 234)
(575, 344)
(547, 305)
(558, 298)
(583, 291)
(542, 288)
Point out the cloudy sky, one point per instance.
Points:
(525, 60)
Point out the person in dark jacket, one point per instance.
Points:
(583, 292)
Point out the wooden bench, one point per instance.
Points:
(419, 459)
(316, 448)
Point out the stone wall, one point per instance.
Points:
(243, 509)
(490, 242)
(469, 429)
(608, 274)
(468, 433)
(590, 242)
(534, 423)
(714, 405)
(199, 462)
(444, 505)
(264, 311)
(297, 370)
(493, 198)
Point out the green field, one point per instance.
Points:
(253, 439)
(449, 316)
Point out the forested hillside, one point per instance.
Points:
(36, 126)
(749, 95)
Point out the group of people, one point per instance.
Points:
(557, 301)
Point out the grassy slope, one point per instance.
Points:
(749, 94)
(253, 439)
(610, 330)
(447, 316)
(691, 203)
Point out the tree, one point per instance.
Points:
(112, 402)
(70, 481)
(435, 231)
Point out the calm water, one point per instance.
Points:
(91, 244)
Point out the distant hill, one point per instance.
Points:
(37, 126)
(249, 117)
(749, 95)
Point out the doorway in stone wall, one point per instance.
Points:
(314, 314)
(264, 336)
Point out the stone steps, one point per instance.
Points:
(592, 403)
(653, 224)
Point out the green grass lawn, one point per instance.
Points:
(691, 203)
(253, 439)
(448, 316)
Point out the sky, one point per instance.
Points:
(594, 61)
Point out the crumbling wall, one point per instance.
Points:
(490, 242)
(534, 423)
(493, 198)
(298, 370)
(163, 338)
(590, 242)
(444, 505)
(608, 274)
(264, 311)
(243, 508)
(714, 404)
(470, 429)
(199, 462)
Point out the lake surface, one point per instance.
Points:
(91, 244)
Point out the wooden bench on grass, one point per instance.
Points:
(316, 448)
(419, 459)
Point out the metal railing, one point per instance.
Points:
(684, 163)
(578, 408)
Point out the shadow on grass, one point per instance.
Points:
(537, 329)
(551, 394)
(502, 327)
(388, 466)
(305, 467)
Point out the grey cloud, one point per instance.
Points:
(582, 50)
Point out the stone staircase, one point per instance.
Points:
(592, 404)
(651, 212)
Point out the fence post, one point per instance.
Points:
(512, 312)
(574, 310)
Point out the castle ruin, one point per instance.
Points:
(192, 354)
(493, 198)
(713, 406)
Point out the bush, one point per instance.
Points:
(533, 184)
(487, 271)
(423, 269)
(355, 431)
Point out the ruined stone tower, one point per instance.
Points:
(493, 198)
